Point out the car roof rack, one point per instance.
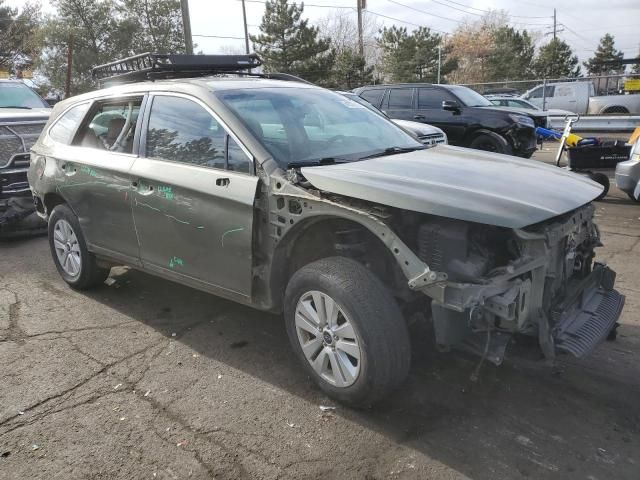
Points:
(155, 66)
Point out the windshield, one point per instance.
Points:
(18, 95)
(469, 98)
(307, 125)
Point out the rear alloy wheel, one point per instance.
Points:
(491, 142)
(347, 330)
(76, 265)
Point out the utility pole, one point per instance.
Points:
(67, 83)
(361, 5)
(555, 24)
(439, 61)
(186, 26)
(246, 32)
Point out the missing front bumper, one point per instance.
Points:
(584, 319)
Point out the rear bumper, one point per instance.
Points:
(588, 313)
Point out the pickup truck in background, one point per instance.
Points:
(579, 97)
(23, 115)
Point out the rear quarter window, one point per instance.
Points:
(374, 97)
(64, 127)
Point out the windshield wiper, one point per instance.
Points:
(317, 163)
(16, 106)
(392, 151)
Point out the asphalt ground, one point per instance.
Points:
(146, 379)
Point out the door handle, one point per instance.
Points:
(142, 190)
(68, 169)
(419, 117)
(222, 182)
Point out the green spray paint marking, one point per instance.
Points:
(89, 171)
(184, 222)
(228, 232)
(165, 191)
(175, 262)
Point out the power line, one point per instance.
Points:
(451, 19)
(305, 4)
(218, 36)
(404, 21)
(483, 10)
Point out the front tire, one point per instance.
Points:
(76, 265)
(347, 330)
(603, 180)
(491, 142)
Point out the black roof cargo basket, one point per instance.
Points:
(151, 66)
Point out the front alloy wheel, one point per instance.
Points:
(328, 339)
(347, 330)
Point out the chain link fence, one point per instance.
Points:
(602, 84)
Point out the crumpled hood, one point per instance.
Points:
(460, 183)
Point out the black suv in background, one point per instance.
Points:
(468, 118)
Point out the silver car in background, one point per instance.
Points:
(628, 173)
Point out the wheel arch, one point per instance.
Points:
(331, 234)
(610, 109)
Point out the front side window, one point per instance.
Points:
(299, 125)
(112, 125)
(432, 97)
(181, 130)
(401, 98)
(63, 129)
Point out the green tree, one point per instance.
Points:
(606, 59)
(101, 31)
(156, 25)
(511, 56)
(411, 57)
(288, 44)
(18, 36)
(350, 70)
(555, 60)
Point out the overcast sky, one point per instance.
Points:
(582, 27)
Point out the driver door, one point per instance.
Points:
(194, 188)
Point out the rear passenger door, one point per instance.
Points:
(399, 103)
(194, 190)
(96, 179)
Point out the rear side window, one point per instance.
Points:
(111, 126)
(374, 97)
(401, 98)
(432, 97)
(62, 130)
(180, 130)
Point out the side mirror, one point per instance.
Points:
(451, 106)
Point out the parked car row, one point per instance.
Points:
(290, 198)
(467, 118)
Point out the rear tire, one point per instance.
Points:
(491, 142)
(356, 368)
(603, 180)
(76, 265)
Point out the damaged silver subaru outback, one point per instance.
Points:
(291, 198)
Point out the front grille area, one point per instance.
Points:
(431, 139)
(18, 138)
